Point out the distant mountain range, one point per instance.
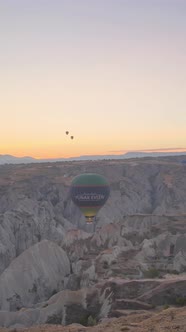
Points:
(9, 159)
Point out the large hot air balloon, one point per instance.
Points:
(67, 132)
(89, 191)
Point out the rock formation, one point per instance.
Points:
(132, 258)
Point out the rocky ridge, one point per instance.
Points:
(45, 247)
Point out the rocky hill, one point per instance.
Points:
(55, 269)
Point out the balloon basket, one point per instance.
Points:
(89, 220)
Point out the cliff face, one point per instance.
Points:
(46, 247)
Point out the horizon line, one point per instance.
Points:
(113, 151)
(150, 150)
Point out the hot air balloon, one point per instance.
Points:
(72, 137)
(67, 132)
(89, 191)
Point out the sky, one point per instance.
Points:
(111, 72)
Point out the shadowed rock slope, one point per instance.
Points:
(33, 276)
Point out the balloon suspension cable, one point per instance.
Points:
(89, 220)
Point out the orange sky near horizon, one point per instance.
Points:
(111, 72)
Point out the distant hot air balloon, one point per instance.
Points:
(89, 191)
(72, 137)
(67, 132)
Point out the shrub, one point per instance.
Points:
(91, 321)
(54, 319)
(165, 307)
(151, 273)
(181, 301)
(88, 320)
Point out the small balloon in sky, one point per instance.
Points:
(67, 132)
(72, 137)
